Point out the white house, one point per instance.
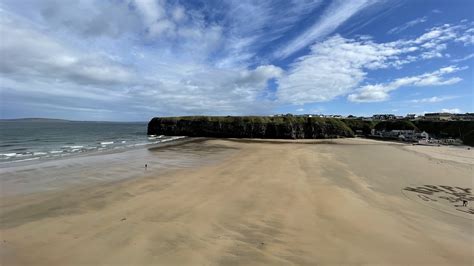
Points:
(423, 135)
(396, 133)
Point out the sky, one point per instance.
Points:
(130, 60)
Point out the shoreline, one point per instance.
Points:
(100, 167)
(184, 139)
(38, 160)
(25, 170)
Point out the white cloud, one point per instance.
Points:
(461, 33)
(178, 14)
(467, 38)
(380, 92)
(201, 89)
(335, 15)
(467, 57)
(434, 99)
(28, 54)
(86, 18)
(370, 93)
(41, 68)
(407, 25)
(260, 74)
(154, 16)
(334, 67)
(451, 110)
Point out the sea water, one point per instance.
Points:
(36, 140)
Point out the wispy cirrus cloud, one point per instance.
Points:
(467, 57)
(335, 15)
(251, 26)
(434, 99)
(451, 110)
(407, 25)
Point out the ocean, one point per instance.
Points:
(35, 140)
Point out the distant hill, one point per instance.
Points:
(53, 120)
(34, 119)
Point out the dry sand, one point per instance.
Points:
(462, 154)
(351, 202)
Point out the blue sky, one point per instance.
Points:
(130, 60)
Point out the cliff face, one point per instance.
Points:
(453, 129)
(285, 127)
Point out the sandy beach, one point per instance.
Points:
(244, 202)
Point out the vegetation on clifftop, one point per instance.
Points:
(285, 127)
(395, 125)
(358, 124)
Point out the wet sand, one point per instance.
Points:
(105, 167)
(332, 202)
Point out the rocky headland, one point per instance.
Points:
(280, 127)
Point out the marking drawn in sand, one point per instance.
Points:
(444, 198)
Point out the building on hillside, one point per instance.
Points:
(407, 135)
(438, 116)
(384, 117)
(410, 116)
(401, 134)
(331, 116)
(464, 117)
(423, 135)
(395, 133)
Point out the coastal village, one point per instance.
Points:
(385, 117)
(414, 135)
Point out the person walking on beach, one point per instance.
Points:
(146, 166)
